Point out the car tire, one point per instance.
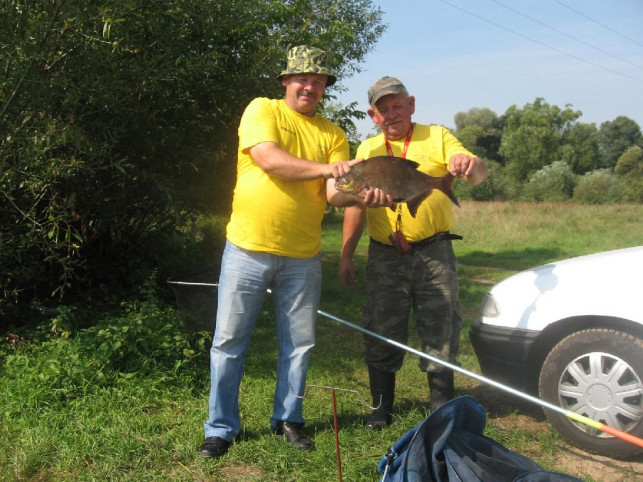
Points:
(597, 373)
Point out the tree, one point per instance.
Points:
(629, 169)
(119, 121)
(615, 137)
(630, 163)
(480, 131)
(532, 136)
(476, 116)
(579, 148)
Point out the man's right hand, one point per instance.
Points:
(339, 168)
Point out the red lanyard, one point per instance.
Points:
(398, 223)
(406, 143)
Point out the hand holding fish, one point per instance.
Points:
(366, 196)
(471, 168)
(340, 168)
(376, 198)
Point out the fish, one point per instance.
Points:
(398, 177)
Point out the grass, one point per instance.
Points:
(65, 416)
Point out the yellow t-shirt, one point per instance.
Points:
(431, 147)
(269, 214)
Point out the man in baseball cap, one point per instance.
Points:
(411, 263)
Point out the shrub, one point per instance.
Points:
(599, 187)
(58, 362)
(554, 182)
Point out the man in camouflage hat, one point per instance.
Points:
(288, 158)
(411, 263)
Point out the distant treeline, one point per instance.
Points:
(543, 153)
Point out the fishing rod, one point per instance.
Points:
(543, 403)
(568, 413)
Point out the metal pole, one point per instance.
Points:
(567, 413)
(573, 415)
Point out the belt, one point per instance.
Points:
(436, 237)
(443, 235)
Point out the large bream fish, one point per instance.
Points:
(398, 177)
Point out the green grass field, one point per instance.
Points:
(61, 420)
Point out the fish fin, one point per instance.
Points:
(413, 164)
(414, 204)
(400, 160)
(446, 186)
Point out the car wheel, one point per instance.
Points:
(597, 373)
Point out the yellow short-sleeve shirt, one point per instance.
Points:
(269, 214)
(431, 147)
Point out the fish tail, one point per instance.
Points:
(446, 186)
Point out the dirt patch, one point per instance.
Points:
(238, 473)
(508, 413)
(595, 467)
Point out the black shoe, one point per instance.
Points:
(377, 421)
(214, 447)
(294, 433)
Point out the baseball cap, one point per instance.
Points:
(386, 85)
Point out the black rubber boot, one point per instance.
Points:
(441, 387)
(383, 392)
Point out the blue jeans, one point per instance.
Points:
(296, 289)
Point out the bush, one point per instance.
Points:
(201, 243)
(553, 183)
(599, 187)
(58, 362)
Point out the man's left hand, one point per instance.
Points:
(376, 198)
(470, 167)
(462, 165)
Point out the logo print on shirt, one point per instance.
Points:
(283, 128)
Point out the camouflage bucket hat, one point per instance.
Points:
(308, 60)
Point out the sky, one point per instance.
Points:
(454, 55)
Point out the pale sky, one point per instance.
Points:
(454, 55)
